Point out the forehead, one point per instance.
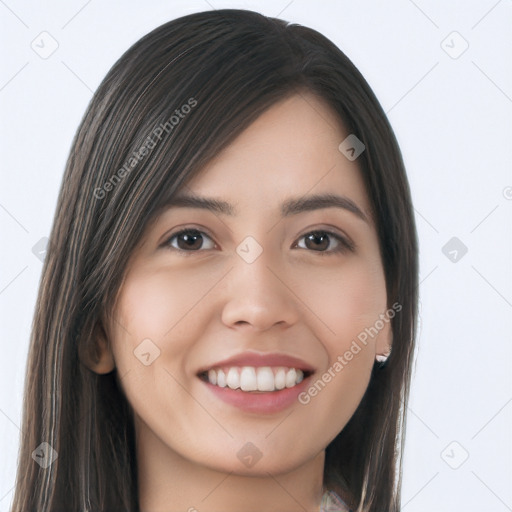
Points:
(291, 150)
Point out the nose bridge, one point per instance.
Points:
(254, 264)
(257, 294)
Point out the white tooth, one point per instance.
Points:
(280, 379)
(221, 379)
(248, 379)
(291, 377)
(265, 377)
(233, 378)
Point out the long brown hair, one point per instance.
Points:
(227, 66)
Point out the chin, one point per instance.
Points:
(248, 461)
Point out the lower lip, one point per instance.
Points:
(259, 402)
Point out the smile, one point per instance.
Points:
(254, 379)
(258, 390)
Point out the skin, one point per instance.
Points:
(207, 304)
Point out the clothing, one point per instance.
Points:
(331, 502)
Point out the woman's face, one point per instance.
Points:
(255, 281)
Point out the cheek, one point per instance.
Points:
(348, 301)
(156, 323)
(165, 306)
(348, 307)
(161, 305)
(152, 309)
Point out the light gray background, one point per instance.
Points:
(451, 112)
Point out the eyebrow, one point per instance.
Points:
(292, 206)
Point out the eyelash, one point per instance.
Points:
(344, 245)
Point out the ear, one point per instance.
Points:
(384, 341)
(96, 353)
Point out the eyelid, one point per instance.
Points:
(332, 230)
(179, 229)
(342, 238)
(166, 244)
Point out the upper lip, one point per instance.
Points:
(258, 359)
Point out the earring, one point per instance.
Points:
(382, 358)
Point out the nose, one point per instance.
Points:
(259, 295)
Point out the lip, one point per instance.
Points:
(261, 402)
(258, 359)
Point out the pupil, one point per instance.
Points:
(190, 240)
(316, 237)
(319, 239)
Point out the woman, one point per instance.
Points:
(232, 261)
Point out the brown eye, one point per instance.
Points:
(188, 240)
(193, 240)
(320, 241)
